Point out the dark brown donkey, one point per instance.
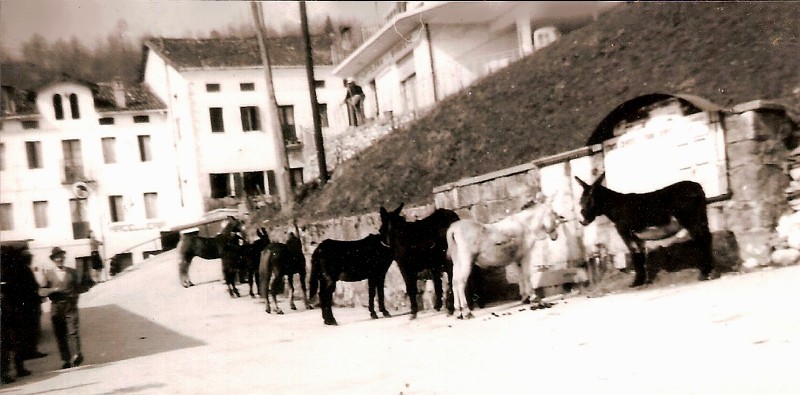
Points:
(655, 215)
(421, 246)
(349, 260)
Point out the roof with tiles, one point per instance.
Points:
(138, 97)
(238, 52)
(21, 81)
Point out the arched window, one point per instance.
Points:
(58, 106)
(73, 105)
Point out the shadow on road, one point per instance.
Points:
(108, 334)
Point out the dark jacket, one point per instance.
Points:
(67, 290)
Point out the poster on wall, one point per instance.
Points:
(667, 149)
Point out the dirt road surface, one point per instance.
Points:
(142, 333)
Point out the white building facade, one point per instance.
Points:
(216, 95)
(427, 51)
(76, 160)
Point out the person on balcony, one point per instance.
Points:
(355, 102)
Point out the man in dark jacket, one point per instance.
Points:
(355, 102)
(31, 309)
(12, 301)
(63, 289)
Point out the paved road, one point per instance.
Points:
(144, 334)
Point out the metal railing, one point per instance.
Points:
(346, 42)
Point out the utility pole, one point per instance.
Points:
(271, 112)
(323, 166)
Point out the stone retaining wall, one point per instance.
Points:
(758, 138)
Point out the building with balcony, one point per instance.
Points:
(215, 95)
(426, 51)
(77, 156)
(131, 161)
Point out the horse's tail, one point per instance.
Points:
(263, 272)
(183, 261)
(451, 242)
(316, 270)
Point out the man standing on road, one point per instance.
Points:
(12, 300)
(63, 290)
(31, 309)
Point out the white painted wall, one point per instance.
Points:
(129, 177)
(202, 152)
(450, 45)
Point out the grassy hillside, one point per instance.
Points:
(551, 101)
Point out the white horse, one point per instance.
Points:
(509, 240)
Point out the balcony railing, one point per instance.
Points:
(490, 63)
(349, 39)
(73, 172)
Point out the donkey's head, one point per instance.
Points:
(550, 219)
(391, 222)
(590, 204)
(232, 225)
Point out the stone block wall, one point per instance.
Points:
(355, 228)
(756, 136)
(758, 140)
(345, 144)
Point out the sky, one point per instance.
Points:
(92, 20)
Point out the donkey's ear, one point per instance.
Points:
(583, 183)
(399, 208)
(600, 179)
(383, 212)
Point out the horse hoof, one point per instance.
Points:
(526, 300)
(279, 312)
(294, 307)
(374, 315)
(413, 316)
(707, 276)
(332, 323)
(386, 314)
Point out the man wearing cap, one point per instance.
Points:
(63, 289)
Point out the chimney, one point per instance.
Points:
(119, 93)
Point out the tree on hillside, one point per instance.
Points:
(114, 56)
(117, 56)
(327, 27)
(36, 50)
